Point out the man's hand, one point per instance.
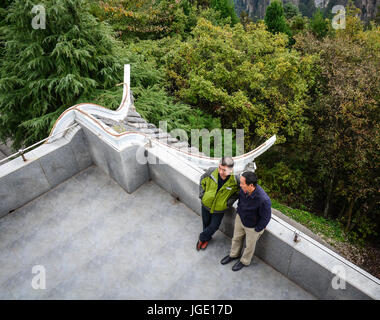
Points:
(230, 202)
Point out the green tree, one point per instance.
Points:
(298, 24)
(148, 84)
(290, 10)
(3, 13)
(319, 25)
(203, 3)
(146, 19)
(226, 7)
(354, 25)
(275, 18)
(307, 7)
(245, 19)
(247, 78)
(344, 117)
(45, 71)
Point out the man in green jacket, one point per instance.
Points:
(218, 189)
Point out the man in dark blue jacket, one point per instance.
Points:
(253, 215)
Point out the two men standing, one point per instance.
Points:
(218, 191)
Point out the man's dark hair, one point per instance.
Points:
(250, 178)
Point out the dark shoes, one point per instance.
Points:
(201, 245)
(238, 265)
(227, 259)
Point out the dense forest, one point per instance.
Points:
(198, 64)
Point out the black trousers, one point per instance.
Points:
(211, 223)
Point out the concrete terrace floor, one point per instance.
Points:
(98, 242)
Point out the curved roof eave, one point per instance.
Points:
(84, 114)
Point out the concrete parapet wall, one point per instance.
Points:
(121, 165)
(176, 177)
(313, 266)
(46, 167)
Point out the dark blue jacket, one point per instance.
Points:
(255, 209)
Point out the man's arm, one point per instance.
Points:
(206, 174)
(232, 199)
(235, 196)
(265, 213)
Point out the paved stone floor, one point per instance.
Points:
(96, 241)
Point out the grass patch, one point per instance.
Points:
(319, 225)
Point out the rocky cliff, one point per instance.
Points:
(256, 8)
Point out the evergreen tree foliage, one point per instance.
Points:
(290, 10)
(45, 71)
(226, 7)
(298, 24)
(244, 18)
(307, 7)
(319, 25)
(149, 85)
(275, 18)
(3, 12)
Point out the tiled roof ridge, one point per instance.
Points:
(134, 122)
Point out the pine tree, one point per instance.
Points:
(319, 26)
(275, 18)
(307, 7)
(290, 10)
(45, 71)
(3, 12)
(226, 7)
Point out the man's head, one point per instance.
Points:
(248, 182)
(226, 165)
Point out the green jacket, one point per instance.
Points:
(217, 202)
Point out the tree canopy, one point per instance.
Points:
(290, 10)
(44, 71)
(246, 77)
(275, 18)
